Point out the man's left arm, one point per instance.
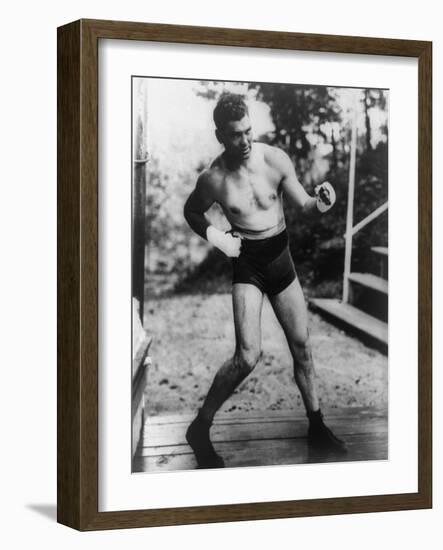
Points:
(324, 194)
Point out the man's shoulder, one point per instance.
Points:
(274, 156)
(273, 153)
(211, 176)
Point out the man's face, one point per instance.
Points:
(236, 136)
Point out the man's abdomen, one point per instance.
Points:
(253, 234)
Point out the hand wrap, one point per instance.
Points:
(325, 196)
(225, 242)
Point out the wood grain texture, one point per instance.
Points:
(68, 276)
(89, 275)
(77, 456)
(253, 453)
(271, 438)
(425, 274)
(169, 430)
(254, 38)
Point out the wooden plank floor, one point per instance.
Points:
(262, 439)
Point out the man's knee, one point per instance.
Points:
(301, 348)
(246, 359)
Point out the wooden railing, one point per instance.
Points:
(352, 229)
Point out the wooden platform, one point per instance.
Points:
(371, 281)
(382, 250)
(262, 439)
(350, 317)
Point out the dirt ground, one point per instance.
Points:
(194, 334)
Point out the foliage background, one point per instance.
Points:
(313, 125)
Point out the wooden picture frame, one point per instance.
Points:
(77, 456)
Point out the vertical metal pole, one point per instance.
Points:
(140, 155)
(350, 209)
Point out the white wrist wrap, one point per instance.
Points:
(225, 242)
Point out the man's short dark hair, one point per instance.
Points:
(229, 107)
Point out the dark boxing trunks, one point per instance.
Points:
(265, 263)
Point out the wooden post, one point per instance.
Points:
(350, 209)
(140, 158)
(140, 339)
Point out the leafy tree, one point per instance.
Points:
(313, 125)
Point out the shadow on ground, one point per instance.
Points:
(48, 511)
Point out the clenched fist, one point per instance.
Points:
(325, 196)
(225, 242)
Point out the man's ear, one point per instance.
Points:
(219, 136)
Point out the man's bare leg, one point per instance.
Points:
(291, 311)
(247, 305)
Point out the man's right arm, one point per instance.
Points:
(199, 201)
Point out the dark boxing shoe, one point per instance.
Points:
(321, 438)
(197, 436)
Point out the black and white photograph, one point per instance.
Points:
(221, 299)
(259, 274)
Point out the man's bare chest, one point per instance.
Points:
(249, 190)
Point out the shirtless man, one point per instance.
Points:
(248, 181)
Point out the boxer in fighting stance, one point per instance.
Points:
(248, 180)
